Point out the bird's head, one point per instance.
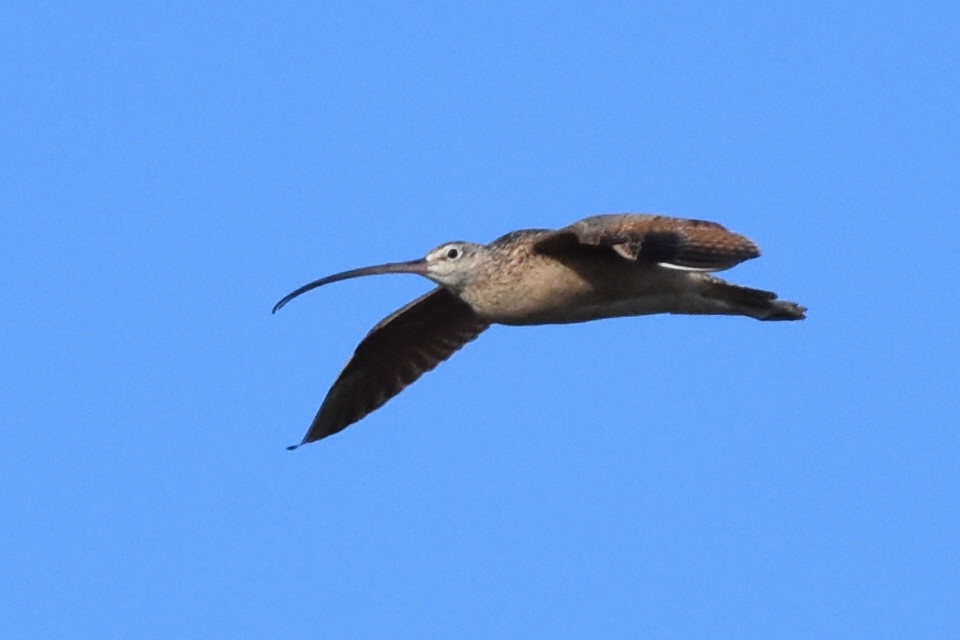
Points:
(451, 265)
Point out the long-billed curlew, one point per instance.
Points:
(599, 267)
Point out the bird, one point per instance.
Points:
(602, 266)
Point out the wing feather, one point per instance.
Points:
(398, 350)
(682, 243)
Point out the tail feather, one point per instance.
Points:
(756, 303)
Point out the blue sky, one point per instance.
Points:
(169, 172)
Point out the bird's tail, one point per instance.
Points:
(756, 303)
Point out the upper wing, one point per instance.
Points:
(398, 350)
(672, 242)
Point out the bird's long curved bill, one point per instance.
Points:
(410, 266)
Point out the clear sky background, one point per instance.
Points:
(168, 172)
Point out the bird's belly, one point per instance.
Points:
(565, 295)
(593, 310)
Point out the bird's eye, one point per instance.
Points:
(453, 254)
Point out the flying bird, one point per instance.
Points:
(603, 266)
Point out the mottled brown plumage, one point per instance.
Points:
(599, 267)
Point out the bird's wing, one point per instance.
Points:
(679, 243)
(399, 349)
